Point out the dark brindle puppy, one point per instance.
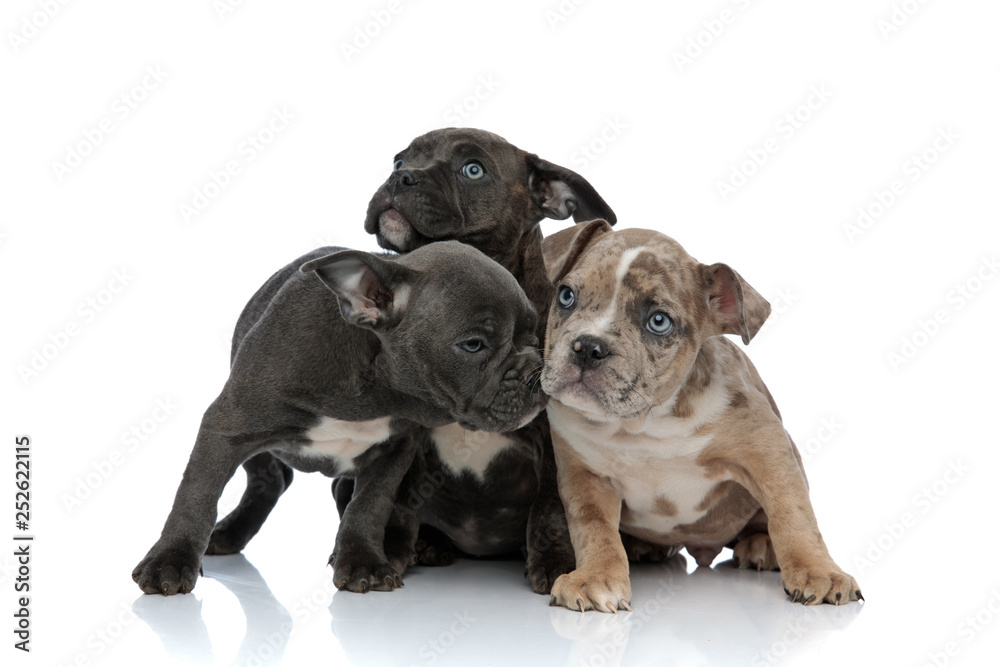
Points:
(337, 361)
(489, 494)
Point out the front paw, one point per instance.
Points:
(167, 571)
(544, 567)
(581, 590)
(360, 573)
(819, 583)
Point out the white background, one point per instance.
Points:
(879, 434)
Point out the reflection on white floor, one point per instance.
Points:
(185, 637)
(483, 613)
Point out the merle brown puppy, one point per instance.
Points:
(484, 494)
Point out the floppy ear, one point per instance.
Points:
(561, 193)
(366, 286)
(735, 307)
(561, 250)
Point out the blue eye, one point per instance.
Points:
(472, 345)
(473, 171)
(397, 165)
(659, 323)
(566, 297)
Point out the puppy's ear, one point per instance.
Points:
(560, 193)
(367, 286)
(735, 306)
(561, 250)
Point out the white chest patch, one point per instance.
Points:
(653, 467)
(679, 484)
(460, 449)
(343, 440)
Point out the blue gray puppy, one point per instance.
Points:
(335, 361)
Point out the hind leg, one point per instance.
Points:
(434, 548)
(267, 478)
(755, 551)
(641, 551)
(404, 523)
(343, 491)
(549, 548)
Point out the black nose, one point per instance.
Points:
(588, 351)
(406, 177)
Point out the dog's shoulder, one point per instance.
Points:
(743, 385)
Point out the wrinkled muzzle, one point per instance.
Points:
(511, 404)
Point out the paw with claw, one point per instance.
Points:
(362, 574)
(819, 583)
(582, 589)
(168, 571)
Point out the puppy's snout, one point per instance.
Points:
(405, 177)
(589, 352)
